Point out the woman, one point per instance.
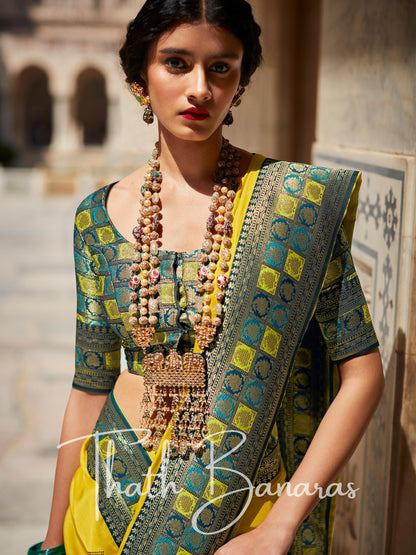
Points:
(232, 348)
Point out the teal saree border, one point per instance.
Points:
(118, 448)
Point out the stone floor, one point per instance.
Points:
(37, 303)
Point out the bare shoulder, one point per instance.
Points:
(127, 188)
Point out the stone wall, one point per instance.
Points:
(367, 119)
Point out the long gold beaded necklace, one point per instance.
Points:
(175, 386)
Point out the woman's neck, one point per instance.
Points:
(190, 163)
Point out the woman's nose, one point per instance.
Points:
(199, 88)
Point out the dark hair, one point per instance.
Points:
(157, 16)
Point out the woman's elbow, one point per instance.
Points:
(377, 374)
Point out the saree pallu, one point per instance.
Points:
(293, 298)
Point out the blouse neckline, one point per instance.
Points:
(251, 167)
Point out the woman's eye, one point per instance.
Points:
(175, 64)
(220, 67)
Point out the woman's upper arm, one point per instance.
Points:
(82, 412)
(365, 372)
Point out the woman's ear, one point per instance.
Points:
(143, 82)
(238, 95)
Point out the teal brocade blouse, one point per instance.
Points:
(102, 265)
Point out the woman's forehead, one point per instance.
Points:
(198, 37)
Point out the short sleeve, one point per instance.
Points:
(97, 346)
(342, 311)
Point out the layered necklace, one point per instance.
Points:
(176, 385)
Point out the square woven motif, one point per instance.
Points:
(314, 192)
(268, 280)
(294, 265)
(286, 206)
(243, 356)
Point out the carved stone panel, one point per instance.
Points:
(381, 259)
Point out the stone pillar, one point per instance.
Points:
(113, 138)
(63, 133)
(367, 120)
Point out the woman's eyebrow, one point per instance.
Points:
(184, 52)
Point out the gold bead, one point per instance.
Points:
(218, 309)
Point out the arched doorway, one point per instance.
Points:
(90, 105)
(33, 108)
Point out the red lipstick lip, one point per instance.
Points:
(195, 113)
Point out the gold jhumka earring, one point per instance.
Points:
(229, 118)
(143, 100)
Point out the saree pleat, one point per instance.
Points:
(269, 366)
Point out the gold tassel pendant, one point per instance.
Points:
(175, 392)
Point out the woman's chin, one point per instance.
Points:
(191, 131)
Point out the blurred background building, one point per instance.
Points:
(64, 106)
(337, 87)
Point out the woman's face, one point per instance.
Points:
(193, 73)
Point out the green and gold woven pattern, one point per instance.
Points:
(102, 265)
